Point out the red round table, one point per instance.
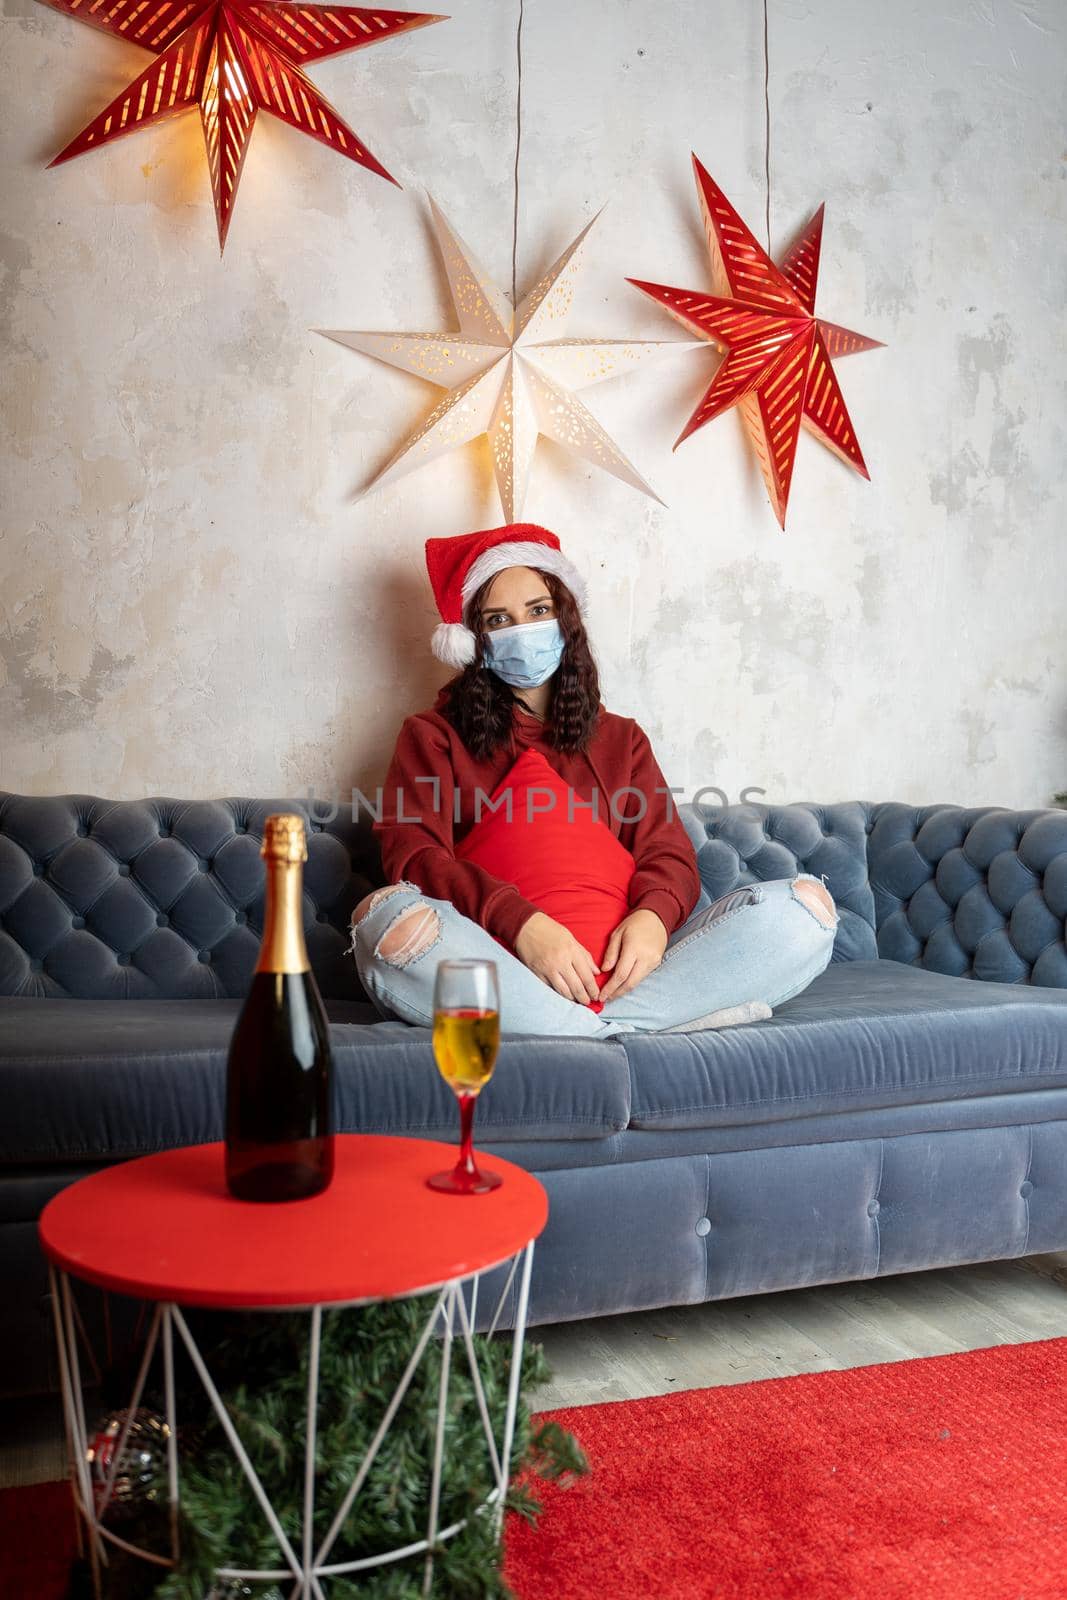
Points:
(164, 1228)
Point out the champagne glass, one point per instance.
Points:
(466, 1037)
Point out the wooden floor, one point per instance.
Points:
(804, 1330)
(725, 1341)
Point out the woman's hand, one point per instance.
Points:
(636, 946)
(554, 954)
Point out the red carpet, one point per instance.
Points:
(942, 1478)
(37, 1541)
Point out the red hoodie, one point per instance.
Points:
(618, 757)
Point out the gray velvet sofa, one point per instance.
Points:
(907, 1110)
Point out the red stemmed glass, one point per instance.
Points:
(466, 1038)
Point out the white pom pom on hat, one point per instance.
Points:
(453, 644)
(460, 565)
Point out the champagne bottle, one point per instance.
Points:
(279, 1128)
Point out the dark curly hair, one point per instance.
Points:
(479, 704)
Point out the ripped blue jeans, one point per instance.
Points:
(758, 942)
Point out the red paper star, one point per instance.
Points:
(232, 58)
(777, 369)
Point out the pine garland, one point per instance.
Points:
(260, 1365)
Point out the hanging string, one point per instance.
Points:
(767, 122)
(518, 145)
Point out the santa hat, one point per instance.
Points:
(459, 566)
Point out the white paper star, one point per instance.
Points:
(504, 376)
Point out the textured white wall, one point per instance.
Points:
(193, 603)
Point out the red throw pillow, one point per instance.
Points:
(559, 856)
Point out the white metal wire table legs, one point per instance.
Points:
(307, 1565)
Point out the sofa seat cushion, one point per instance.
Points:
(864, 1034)
(91, 1080)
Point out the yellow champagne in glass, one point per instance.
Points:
(465, 1043)
(466, 1037)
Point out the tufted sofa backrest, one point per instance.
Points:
(163, 899)
(752, 843)
(975, 892)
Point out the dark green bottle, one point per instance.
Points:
(279, 1074)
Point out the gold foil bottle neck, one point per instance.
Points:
(283, 837)
(284, 849)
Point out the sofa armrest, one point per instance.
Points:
(977, 892)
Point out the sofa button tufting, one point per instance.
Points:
(123, 958)
(203, 864)
(873, 1209)
(38, 870)
(36, 965)
(81, 830)
(320, 916)
(124, 869)
(240, 918)
(162, 920)
(240, 828)
(77, 922)
(1026, 1189)
(204, 956)
(703, 1226)
(164, 833)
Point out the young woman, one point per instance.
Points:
(523, 822)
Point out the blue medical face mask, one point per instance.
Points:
(526, 654)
